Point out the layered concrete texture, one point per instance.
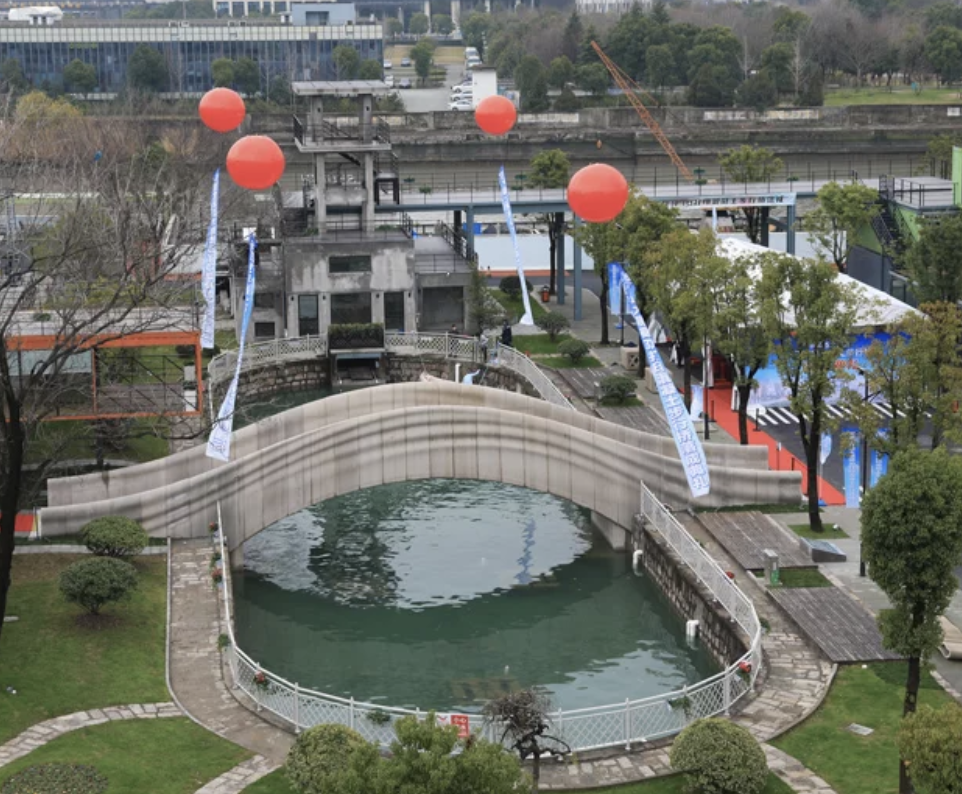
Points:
(408, 432)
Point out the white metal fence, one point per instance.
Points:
(459, 348)
(618, 724)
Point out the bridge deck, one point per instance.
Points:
(637, 417)
(835, 622)
(746, 536)
(584, 381)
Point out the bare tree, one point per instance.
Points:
(97, 255)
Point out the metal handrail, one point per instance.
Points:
(594, 727)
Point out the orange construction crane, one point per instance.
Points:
(631, 90)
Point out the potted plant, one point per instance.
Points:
(260, 680)
(745, 671)
(213, 527)
(682, 704)
(217, 575)
(379, 717)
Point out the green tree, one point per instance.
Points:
(147, 70)
(474, 28)
(572, 37)
(393, 26)
(422, 54)
(758, 91)
(551, 168)
(943, 51)
(660, 65)
(930, 741)
(419, 24)
(279, 91)
(346, 61)
(442, 24)
(567, 102)
(939, 152)
(79, 77)
(370, 69)
(717, 757)
(751, 164)
(561, 72)
(93, 582)
(521, 721)
(247, 76)
(625, 239)
(947, 14)
(587, 54)
(712, 87)
(737, 330)
(592, 77)
(777, 63)
(933, 261)
(530, 78)
(329, 759)
(789, 24)
(12, 80)
(841, 211)
(912, 540)
(222, 72)
(808, 313)
(681, 273)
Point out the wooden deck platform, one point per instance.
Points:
(835, 622)
(582, 380)
(746, 536)
(637, 417)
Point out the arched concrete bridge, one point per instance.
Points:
(406, 432)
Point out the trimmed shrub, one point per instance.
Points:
(552, 323)
(56, 779)
(323, 754)
(511, 286)
(114, 536)
(575, 349)
(96, 581)
(719, 757)
(617, 388)
(348, 336)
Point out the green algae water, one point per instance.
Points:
(441, 594)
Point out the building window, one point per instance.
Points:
(349, 264)
(307, 316)
(393, 311)
(264, 330)
(351, 307)
(263, 300)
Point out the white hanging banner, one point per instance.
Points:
(690, 450)
(208, 272)
(528, 318)
(218, 444)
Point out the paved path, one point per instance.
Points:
(240, 777)
(195, 660)
(38, 735)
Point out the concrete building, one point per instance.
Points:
(303, 12)
(36, 15)
(336, 253)
(608, 6)
(297, 52)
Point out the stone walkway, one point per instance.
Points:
(196, 679)
(38, 735)
(240, 777)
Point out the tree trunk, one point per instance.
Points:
(552, 255)
(9, 502)
(912, 683)
(744, 394)
(684, 350)
(536, 771)
(604, 308)
(752, 217)
(810, 441)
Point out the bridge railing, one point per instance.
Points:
(414, 343)
(619, 724)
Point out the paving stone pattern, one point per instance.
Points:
(38, 735)
(240, 777)
(195, 660)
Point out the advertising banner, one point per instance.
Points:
(218, 444)
(879, 463)
(852, 465)
(528, 318)
(690, 450)
(208, 273)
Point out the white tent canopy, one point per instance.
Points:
(875, 308)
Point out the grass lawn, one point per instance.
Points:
(802, 577)
(829, 532)
(276, 783)
(872, 697)
(563, 362)
(538, 344)
(514, 307)
(166, 756)
(74, 540)
(58, 666)
(145, 440)
(628, 402)
(761, 508)
(902, 95)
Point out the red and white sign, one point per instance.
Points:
(461, 721)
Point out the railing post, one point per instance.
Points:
(257, 694)
(727, 692)
(351, 716)
(297, 709)
(627, 725)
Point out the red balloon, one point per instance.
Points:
(598, 193)
(255, 162)
(495, 115)
(222, 109)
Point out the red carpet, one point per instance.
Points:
(24, 523)
(719, 402)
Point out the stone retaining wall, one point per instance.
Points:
(717, 632)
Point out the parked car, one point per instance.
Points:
(388, 65)
(404, 82)
(389, 80)
(405, 61)
(461, 104)
(459, 90)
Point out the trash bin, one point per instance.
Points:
(545, 294)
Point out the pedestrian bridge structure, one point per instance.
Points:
(401, 432)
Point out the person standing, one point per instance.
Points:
(506, 336)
